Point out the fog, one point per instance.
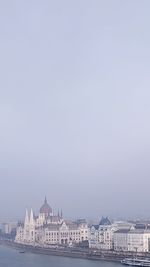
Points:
(75, 107)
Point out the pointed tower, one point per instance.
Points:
(32, 228)
(26, 228)
(31, 218)
(26, 222)
(61, 215)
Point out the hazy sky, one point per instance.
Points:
(75, 107)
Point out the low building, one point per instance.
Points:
(9, 227)
(134, 240)
(123, 225)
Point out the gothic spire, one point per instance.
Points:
(26, 218)
(31, 217)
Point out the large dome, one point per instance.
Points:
(46, 209)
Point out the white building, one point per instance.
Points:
(9, 227)
(134, 240)
(101, 235)
(123, 225)
(48, 229)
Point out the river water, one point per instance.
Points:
(12, 258)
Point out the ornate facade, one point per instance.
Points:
(49, 229)
(101, 235)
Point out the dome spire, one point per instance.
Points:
(45, 201)
(46, 209)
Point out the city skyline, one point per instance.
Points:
(48, 229)
(59, 212)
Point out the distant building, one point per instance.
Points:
(101, 235)
(49, 229)
(134, 240)
(123, 225)
(9, 227)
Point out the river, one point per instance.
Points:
(12, 258)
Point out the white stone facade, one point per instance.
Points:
(133, 240)
(101, 236)
(47, 229)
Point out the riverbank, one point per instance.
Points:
(76, 252)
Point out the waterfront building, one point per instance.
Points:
(101, 235)
(134, 240)
(9, 227)
(49, 229)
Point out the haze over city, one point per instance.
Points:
(74, 107)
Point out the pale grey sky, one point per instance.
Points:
(75, 107)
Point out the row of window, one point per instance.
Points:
(57, 240)
(62, 234)
(51, 233)
(52, 240)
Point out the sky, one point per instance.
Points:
(75, 107)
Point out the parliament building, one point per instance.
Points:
(49, 229)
